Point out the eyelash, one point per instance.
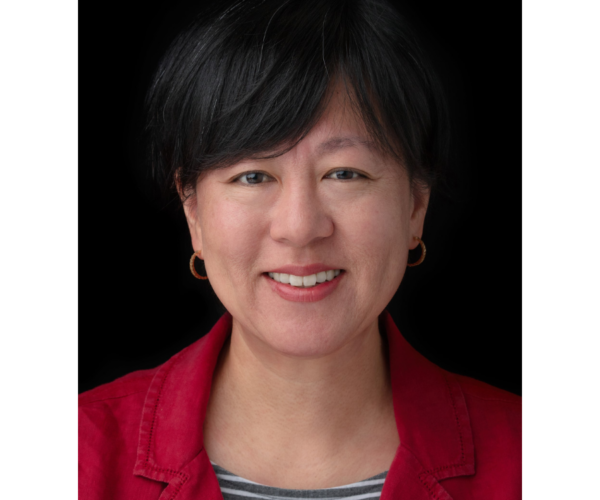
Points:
(245, 174)
(356, 174)
(239, 178)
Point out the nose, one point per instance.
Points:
(299, 217)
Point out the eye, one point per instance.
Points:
(252, 178)
(343, 175)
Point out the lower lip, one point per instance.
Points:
(311, 294)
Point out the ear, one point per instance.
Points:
(419, 204)
(190, 208)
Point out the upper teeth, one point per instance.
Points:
(305, 281)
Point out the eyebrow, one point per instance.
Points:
(351, 141)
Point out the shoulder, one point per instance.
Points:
(109, 426)
(495, 417)
(110, 414)
(495, 422)
(120, 403)
(477, 389)
(493, 405)
(128, 385)
(122, 400)
(112, 409)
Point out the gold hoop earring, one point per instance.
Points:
(193, 269)
(423, 252)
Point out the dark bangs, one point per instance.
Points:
(256, 77)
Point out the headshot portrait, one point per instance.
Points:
(301, 224)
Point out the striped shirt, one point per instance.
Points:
(236, 488)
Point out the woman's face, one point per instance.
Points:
(331, 203)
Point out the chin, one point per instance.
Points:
(306, 339)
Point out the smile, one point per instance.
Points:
(305, 281)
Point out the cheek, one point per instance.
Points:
(231, 237)
(375, 231)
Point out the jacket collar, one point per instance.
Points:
(430, 409)
(436, 441)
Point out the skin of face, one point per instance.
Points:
(333, 199)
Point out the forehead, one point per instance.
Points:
(339, 128)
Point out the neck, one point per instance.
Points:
(326, 407)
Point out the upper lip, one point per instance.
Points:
(303, 270)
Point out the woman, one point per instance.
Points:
(303, 139)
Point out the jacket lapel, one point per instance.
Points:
(408, 479)
(436, 441)
(171, 448)
(196, 480)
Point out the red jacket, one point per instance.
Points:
(141, 435)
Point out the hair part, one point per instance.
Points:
(252, 79)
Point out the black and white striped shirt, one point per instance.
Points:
(236, 488)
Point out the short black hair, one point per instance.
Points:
(254, 76)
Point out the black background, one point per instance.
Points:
(138, 302)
